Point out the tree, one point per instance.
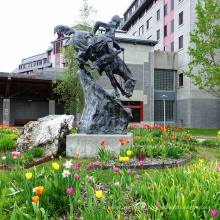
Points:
(67, 86)
(205, 47)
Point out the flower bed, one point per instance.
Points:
(71, 190)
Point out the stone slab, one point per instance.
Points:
(87, 144)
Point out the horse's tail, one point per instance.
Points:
(61, 29)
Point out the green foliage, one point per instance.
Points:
(205, 45)
(12, 136)
(7, 143)
(35, 152)
(67, 86)
(104, 155)
(211, 143)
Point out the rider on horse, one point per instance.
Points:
(103, 48)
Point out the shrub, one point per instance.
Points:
(208, 143)
(35, 152)
(12, 136)
(7, 143)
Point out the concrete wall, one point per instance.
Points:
(22, 109)
(165, 60)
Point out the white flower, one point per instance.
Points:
(68, 164)
(65, 173)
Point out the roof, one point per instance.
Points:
(34, 58)
(124, 37)
(139, 9)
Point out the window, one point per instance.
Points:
(158, 34)
(164, 80)
(165, 30)
(150, 5)
(165, 10)
(141, 14)
(181, 79)
(180, 18)
(159, 110)
(158, 15)
(172, 5)
(135, 21)
(172, 47)
(181, 42)
(149, 23)
(141, 30)
(166, 48)
(172, 26)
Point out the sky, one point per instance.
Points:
(27, 25)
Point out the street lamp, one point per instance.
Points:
(164, 109)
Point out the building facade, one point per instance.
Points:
(170, 22)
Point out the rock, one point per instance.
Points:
(47, 133)
(102, 113)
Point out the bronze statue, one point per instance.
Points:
(100, 51)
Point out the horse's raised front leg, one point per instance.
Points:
(112, 79)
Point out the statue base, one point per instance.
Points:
(88, 145)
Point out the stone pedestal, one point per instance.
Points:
(87, 145)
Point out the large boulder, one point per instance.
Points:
(47, 133)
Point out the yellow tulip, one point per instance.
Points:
(121, 158)
(54, 164)
(128, 152)
(56, 167)
(201, 161)
(126, 158)
(99, 194)
(28, 175)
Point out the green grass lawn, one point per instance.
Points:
(203, 132)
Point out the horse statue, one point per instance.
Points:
(99, 50)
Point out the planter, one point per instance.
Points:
(34, 163)
(145, 167)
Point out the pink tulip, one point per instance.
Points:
(22, 157)
(3, 158)
(217, 169)
(117, 184)
(157, 204)
(13, 153)
(141, 162)
(134, 172)
(143, 206)
(87, 167)
(76, 176)
(213, 212)
(178, 163)
(116, 169)
(63, 165)
(89, 180)
(15, 157)
(74, 167)
(219, 164)
(137, 176)
(69, 190)
(129, 171)
(51, 157)
(94, 164)
(78, 164)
